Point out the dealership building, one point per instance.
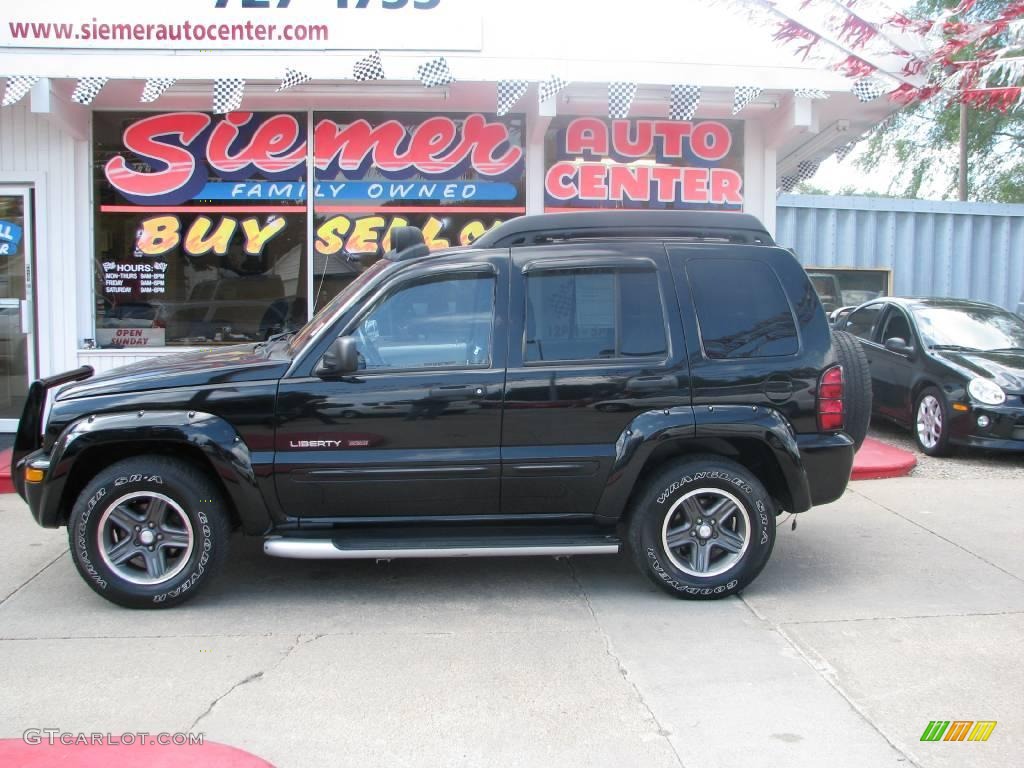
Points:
(178, 176)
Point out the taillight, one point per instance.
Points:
(830, 400)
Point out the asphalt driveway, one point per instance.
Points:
(902, 603)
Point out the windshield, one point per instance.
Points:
(981, 328)
(321, 318)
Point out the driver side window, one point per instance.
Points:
(897, 326)
(442, 322)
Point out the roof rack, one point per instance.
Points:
(561, 227)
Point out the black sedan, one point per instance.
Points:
(949, 369)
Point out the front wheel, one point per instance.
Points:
(931, 422)
(703, 528)
(148, 532)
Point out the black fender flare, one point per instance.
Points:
(228, 455)
(650, 429)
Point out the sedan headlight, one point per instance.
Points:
(986, 391)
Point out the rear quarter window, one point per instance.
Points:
(742, 309)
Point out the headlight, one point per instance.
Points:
(986, 391)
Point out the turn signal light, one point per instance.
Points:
(830, 400)
(33, 475)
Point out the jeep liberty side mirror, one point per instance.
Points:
(341, 358)
(898, 345)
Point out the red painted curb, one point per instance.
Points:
(877, 460)
(15, 752)
(6, 486)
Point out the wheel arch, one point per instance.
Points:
(206, 441)
(757, 438)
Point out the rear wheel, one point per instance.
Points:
(703, 528)
(857, 385)
(148, 532)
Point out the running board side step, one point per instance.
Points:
(475, 546)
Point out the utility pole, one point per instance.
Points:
(963, 151)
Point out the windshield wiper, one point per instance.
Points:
(275, 337)
(1008, 349)
(954, 348)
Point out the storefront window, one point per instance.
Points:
(200, 227)
(453, 176)
(593, 162)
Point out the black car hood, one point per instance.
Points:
(224, 365)
(1004, 368)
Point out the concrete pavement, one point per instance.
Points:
(900, 604)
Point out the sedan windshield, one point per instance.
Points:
(975, 328)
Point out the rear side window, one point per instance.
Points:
(862, 322)
(742, 309)
(590, 314)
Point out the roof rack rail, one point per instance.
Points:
(562, 227)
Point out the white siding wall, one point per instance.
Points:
(35, 151)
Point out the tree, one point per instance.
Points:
(920, 143)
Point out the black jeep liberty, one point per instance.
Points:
(570, 384)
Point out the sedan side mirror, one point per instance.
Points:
(898, 345)
(341, 358)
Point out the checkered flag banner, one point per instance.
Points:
(845, 150)
(620, 99)
(811, 93)
(685, 99)
(743, 95)
(867, 89)
(805, 169)
(87, 89)
(788, 183)
(227, 94)
(368, 68)
(435, 72)
(17, 87)
(550, 87)
(509, 94)
(155, 88)
(293, 77)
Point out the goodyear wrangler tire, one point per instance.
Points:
(857, 385)
(703, 528)
(149, 532)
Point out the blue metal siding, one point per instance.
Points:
(934, 248)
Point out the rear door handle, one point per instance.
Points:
(651, 383)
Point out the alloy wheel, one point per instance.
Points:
(929, 421)
(145, 537)
(706, 532)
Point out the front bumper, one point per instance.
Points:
(1005, 431)
(828, 462)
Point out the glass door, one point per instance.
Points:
(17, 350)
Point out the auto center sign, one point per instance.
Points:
(645, 163)
(212, 25)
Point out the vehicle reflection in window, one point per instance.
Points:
(439, 323)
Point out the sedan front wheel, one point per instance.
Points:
(931, 422)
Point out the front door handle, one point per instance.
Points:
(458, 391)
